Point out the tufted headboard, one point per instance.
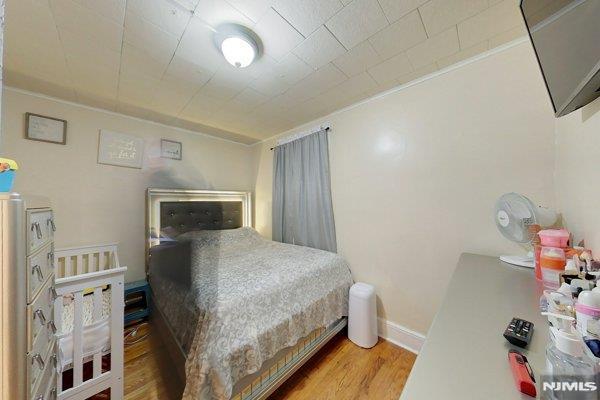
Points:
(185, 216)
(170, 212)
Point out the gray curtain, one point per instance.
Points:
(302, 207)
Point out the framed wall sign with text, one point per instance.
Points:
(45, 129)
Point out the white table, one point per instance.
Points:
(465, 355)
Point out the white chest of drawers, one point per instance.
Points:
(27, 348)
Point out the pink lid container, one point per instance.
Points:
(588, 310)
(554, 237)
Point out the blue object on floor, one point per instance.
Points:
(137, 301)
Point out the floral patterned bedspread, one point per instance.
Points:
(247, 299)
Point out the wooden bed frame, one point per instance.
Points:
(275, 371)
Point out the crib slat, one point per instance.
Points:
(97, 314)
(79, 265)
(78, 339)
(117, 307)
(101, 261)
(58, 321)
(92, 266)
(68, 266)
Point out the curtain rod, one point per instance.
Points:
(326, 129)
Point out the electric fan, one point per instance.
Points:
(515, 213)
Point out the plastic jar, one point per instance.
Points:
(552, 263)
(554, 237)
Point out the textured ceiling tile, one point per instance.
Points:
(319, 48)
(291, 69)
(95, 101)
(132, 110)
(263, 65)
(495, 20)
(463, 54)
(357, 21)
(24, 15)
(135, 60)
(269, 86)
(358, 59)
(253, 9)
(19, 80)
(80, 47)
(399, 36)
(323, 79)
(251, 97)
(94, 78)
(162, 13)
(28, 61)
(113, 9)
(201, 107)
(391, 69)
(438, 15)
(137, 89)
(434, 48)
(170, 100)
(508, 36)
(159, 117)
(149, 37)
(217, 12)
(197, 46)
(223, 86)
(418, 73)
(187, 73)
(394, 9)
(277, 35)
(83, 21)
(307, 15)
(351, 90)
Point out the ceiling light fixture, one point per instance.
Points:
(239, 45)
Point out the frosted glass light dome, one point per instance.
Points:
(238, 51)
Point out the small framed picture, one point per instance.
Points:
(45, 129)
(170, 149)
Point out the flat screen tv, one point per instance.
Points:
(566, 38)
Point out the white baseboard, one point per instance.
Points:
(400, 336)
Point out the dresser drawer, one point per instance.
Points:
(40, 229)
(45, 388)
(40, 267)
(50, 390)
(39, 365)
(40, 314)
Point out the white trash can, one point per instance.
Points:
(362, 315)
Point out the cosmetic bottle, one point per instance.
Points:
(569, 360)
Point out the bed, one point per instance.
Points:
(241, 313)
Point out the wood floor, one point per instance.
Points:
(341, 370)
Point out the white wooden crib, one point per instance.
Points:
(89, 312)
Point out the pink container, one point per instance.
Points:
(554, 237)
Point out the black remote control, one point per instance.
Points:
(519, 332)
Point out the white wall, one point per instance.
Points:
(415, 175)
(578, 173)
(99, 203)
